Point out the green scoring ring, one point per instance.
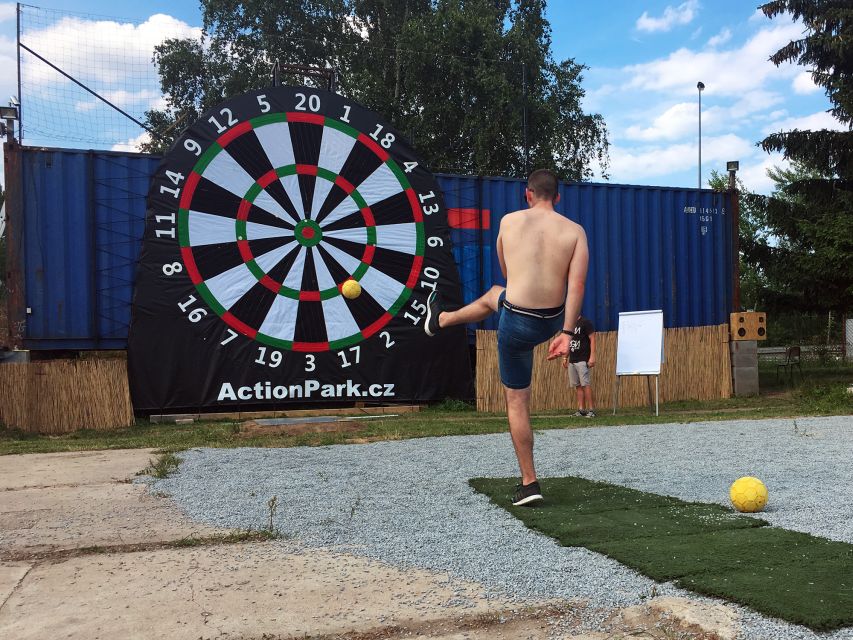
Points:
(255, 190)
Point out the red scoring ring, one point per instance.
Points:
(227, 138)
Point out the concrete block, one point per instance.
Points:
(742, 359)
(745, 381)
(743, 346)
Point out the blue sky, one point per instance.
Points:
(644, 59)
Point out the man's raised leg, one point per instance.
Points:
(480, 309)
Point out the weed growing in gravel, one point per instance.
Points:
(354, 507)
(162, 467)
(272, 505)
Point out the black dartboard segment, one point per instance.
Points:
(257, 216)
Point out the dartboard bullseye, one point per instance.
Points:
(265, 208)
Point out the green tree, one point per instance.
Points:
(809, 262)
(810, 215)
(454, 75)
(752, 242)
(827, 50)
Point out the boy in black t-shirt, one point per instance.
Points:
(580, 360)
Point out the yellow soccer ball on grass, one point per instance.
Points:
(748, 494)
(351, 289)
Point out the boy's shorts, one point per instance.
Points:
(520, 330)
(578, 374)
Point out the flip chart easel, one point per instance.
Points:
(639, 351)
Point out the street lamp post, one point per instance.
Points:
(700, 86)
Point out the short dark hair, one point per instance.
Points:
(543, 183)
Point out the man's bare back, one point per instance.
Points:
(536, 247)
(544, 257)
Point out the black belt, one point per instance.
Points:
(544, 314)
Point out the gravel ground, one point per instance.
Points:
(408, 502)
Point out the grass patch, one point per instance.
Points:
(162, 467)
(705, 548)
(823, 393)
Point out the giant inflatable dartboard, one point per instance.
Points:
(257, 216)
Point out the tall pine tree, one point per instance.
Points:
(811, 211)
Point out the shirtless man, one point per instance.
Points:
(544, 258)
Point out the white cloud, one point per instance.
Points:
(100, 52)
(757, 16)
(754, 102)
(8, 11)
(812, 122)
(803, 84)
(146, 99)
(754, 172)
(682, 119)
(677, 121)
(730, 72)
(133, 143)
(8, 73)
(672, 16)
(721, 38)
(644, 162)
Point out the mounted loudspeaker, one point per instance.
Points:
(749, 325)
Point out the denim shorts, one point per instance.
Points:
(520, 330)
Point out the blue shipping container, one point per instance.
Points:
(84, 212)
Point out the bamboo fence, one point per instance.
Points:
(697, 366)
(60, 396)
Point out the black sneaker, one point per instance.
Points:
(590, 414)
(579, 414)
(433, 309)
(526, 494)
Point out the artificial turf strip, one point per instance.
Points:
(705, 548)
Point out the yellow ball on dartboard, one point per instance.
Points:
(748, 494)
(351, 289)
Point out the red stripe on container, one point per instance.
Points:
(468, 218)
(306, 169)
(417, 214)
(416, 272)
(189, 189)
(367, 214)
(293, 116)
(238, 130)
(310, 346)
(310, 296)
(375, 148)
(369, 250)
(189, 263)
(376, 326)
(242, 327)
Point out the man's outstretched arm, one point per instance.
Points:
(574, 297)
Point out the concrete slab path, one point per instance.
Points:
(85, 554)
